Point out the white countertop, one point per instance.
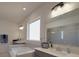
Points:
(54, 52)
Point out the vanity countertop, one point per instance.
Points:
(54, 52)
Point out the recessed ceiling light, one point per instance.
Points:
(24, 9)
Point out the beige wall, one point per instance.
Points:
(9, 28)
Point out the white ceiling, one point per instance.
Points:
(12, 11)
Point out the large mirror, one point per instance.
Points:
(64, 29)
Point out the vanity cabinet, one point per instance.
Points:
(38, 53)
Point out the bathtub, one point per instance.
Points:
(21, 51)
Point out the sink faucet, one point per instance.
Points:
(50, 44)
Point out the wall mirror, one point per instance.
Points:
(64, 29)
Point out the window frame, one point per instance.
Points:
(28, 28)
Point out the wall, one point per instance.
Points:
(9, 28)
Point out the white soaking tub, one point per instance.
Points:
(21, 52)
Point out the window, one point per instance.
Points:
(34, 30)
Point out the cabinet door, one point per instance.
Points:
(42, 54)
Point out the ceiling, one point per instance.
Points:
(13, 11)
